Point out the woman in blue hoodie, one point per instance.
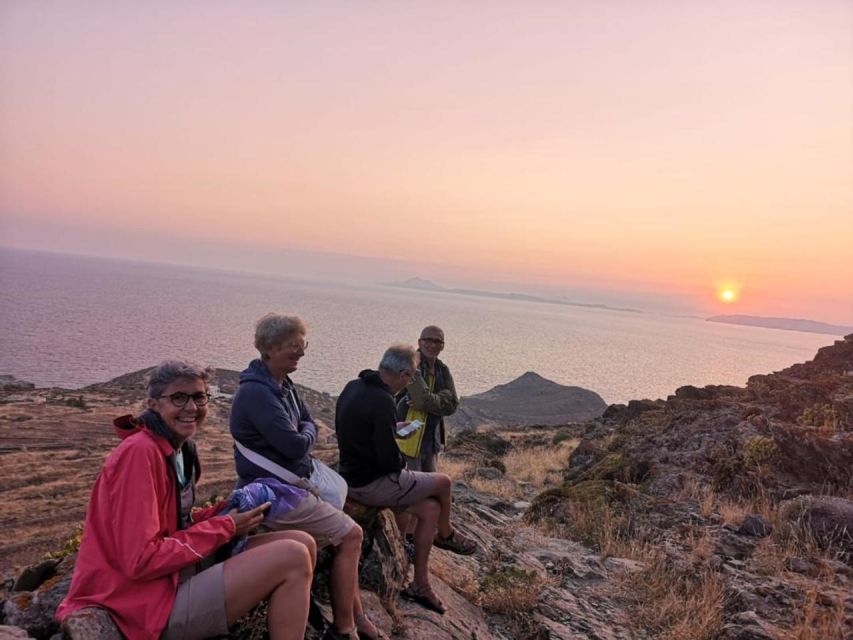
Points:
(269, 418)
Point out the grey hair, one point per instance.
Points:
(274, 328)
(168, 371)
(398, 358)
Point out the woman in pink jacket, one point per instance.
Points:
(148, 559)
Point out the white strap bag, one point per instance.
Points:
(324, 482)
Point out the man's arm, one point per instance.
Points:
(387, 452)
(442, 403)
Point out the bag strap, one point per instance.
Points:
(276, 469)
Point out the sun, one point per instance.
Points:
(728, 293)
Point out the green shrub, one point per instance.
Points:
(71, 545)
(759, 451)
(819, 415)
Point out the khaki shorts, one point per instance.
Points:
(396, 490)
(326, 524)
(199, 609)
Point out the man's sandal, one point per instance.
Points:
(363, 635)
(425, 597)
(456, 543)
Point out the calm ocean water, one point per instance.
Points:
(71, 321)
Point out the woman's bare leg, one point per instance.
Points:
(343, 580)
(298, 536)
(280, 569)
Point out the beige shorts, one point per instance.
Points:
(396, 490)
(326, 524)
(199, 609)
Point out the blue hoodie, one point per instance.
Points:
(271, 419)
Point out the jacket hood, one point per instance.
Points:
(126, 426)
(372, 378)
(256, 372)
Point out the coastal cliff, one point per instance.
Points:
(720, 512)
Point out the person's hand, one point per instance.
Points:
(246, 521)
(413, 427)
(400, 426)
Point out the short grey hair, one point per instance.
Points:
(398, 358)
(274, 328)
(168, 371)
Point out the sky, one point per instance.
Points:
(657, 151)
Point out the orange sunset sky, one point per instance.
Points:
(667, 149)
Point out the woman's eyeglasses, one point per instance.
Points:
(180, 398)
(296, 347)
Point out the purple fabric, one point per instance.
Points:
(284, 498)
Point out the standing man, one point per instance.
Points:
(429, 397)
(371, 463)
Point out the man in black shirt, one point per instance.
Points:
(371, 463)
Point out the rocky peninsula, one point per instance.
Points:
(719, 512)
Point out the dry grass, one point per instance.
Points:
(455, 467)
(775, 555)
(511, 591)
(818, 621)
(539, 466)
(701, 545)
(731, 511)
(676, 605)
(601, 527)
(458, 575)
(503, 488)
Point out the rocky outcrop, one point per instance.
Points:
(528, 400)
(748, 487)
(10, 383)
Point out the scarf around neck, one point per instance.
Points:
(155, 424)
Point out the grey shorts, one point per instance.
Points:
(325, 523)
(396, 490)
(199, 609)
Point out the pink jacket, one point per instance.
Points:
(132, 550)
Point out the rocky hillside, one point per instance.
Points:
(739, 499)
(718, 513)
(530, 399)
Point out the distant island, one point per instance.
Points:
(427, 285)
(787, 324)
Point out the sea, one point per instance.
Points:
(70, 321)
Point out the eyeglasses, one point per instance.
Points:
(408, 373)
(296, 347)
(436, 341)
(180, 398)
